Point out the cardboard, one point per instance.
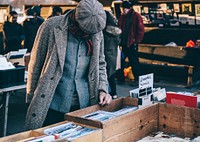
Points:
(181, 100)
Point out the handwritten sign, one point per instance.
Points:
(146, 81)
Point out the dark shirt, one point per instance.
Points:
(31, 27)
(13, 35)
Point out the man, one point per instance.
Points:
(30, 26)
(56, 11)
(67, 70)
(12, 33)
(132, 27)
(37, 10)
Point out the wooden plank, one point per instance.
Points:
(132, 122)
(94, 136)
(128, 101)
(182, 121)
(20, 136)
(135, 133)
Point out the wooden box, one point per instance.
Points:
(181, 121)
(20, 136)
(96, 135)
(116, 129)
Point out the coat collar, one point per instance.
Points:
(60, 33)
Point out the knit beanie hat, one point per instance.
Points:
(90, 16)
(126, 4)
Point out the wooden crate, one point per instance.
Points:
(96, 135)
(125, 127)
(20, 136)
(181, 121)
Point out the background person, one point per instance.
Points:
(132, 27)
(111, 41)
(13, 33)
(56, 11)
(30, 26)
(37, 14)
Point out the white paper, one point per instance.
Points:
(197, 20)
(159, 95)
(21, 52)
(146, 81)
(183, 18)
(4, 64)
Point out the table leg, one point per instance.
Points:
(4, 113)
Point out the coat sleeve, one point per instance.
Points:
(139, 30)
(103, 83)
(37, 60)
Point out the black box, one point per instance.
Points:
(12, 77)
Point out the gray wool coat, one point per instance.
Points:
(46, 68)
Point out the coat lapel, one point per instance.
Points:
(61, 44)
(60, 33)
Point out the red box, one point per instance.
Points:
(181, 100)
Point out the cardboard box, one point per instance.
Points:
(96, 135)
(181, 121)
(20, 136)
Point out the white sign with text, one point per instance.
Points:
(146, 81)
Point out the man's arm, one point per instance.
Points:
(104, 97)
(140, 29)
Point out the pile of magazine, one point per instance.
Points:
(101, 115)
(64, 132)
(68, 131)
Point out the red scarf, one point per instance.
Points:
(76, 31)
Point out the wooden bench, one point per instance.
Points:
(188, 58)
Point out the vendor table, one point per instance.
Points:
(4, 102)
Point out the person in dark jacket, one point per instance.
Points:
(111, 41)
(37, 14)
(12, 33)
(132, 27)
(30, 26)
(56, 11)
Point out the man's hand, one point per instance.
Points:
(104, 98)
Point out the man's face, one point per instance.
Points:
(58, 13)
(35, 15)
(13, 18)
(125, 10)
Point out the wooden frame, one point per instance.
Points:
(182, 121)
